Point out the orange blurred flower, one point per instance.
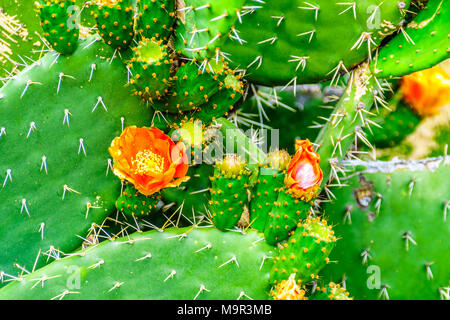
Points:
(288, 290)
(149, 159)
(304, 174)
(427, 91)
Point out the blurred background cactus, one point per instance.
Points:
(282, 149)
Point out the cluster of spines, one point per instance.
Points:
(306, 252)
(134, 204)
(59, 25)
(115, 22)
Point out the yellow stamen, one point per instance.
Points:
(147, 162)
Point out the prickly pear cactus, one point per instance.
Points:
(57, 120)
(423, 45)
(385, 218)
(224, 257)
(186, 149)
(290, 37)
(59, 24)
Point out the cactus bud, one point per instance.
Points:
(304, 174)
(279, 160)
(231, 166)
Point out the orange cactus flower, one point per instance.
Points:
(304, 174)
(149, 159)
(427, 91)
(288, 290)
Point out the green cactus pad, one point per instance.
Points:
(228, 197)
(150, 66)
(132, 203)
(394, 231)
(306, 42)
(115, 22)
(58, 119)
(157, 265)
(284, 216)
(155, 19)
(59, 25)
(204, 26)
(306, 252)
(423, 43)
(223, 102)
(264, 195)
(191, 87)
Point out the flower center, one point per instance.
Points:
(147, 162)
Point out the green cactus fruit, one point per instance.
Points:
(421, 45)
(203, 27)
(150, 67)
(115, 22)
(332, 291)
(132, 203)
(191, 87)
(228, 192)
(290, 37)
(305, 253)
(59, 24)
(156, 265)
(394, 228)
(57, 120)
(155, 19)
(284, 216)
(265, 193)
